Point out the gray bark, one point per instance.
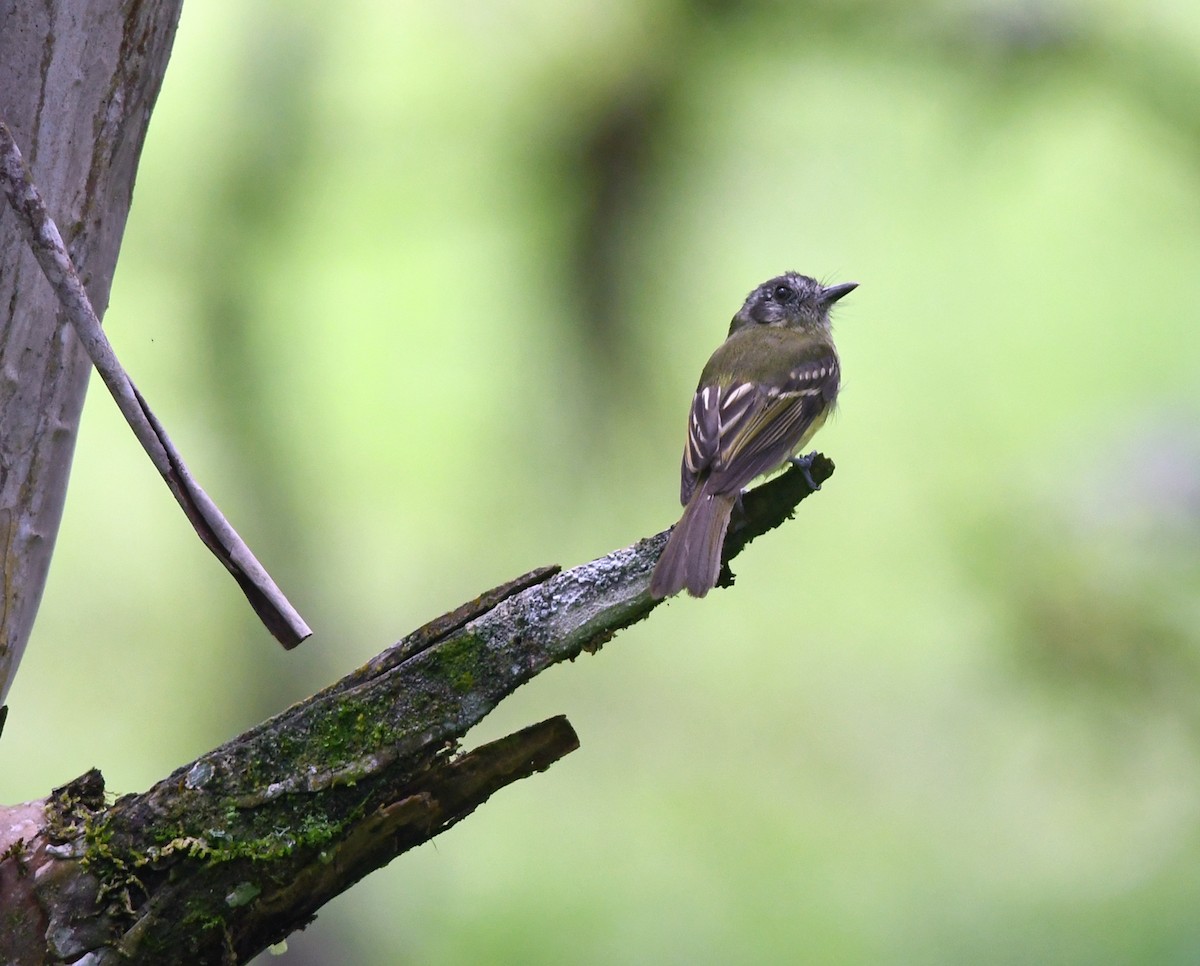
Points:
(78, 79)
(235, 850)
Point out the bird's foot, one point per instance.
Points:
(804, 465)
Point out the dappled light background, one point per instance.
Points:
(422, 290)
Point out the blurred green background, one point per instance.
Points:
(422, 290)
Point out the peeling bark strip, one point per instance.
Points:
(239, 848)
(280, 618)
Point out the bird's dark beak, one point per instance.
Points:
(835, 292)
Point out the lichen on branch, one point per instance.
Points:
(235, 850)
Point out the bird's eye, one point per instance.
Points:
(783, 293)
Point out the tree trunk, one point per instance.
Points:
(79, 79)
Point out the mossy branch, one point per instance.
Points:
(237, 849)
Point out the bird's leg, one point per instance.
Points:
(804, 465)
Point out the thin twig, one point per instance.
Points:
(40, 231)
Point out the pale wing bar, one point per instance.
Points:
(762, 426)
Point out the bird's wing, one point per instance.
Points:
(716, 412)
(740, 431)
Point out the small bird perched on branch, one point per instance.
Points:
(766, 390)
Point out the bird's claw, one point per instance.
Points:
(804, 465)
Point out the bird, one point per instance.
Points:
(762, 395)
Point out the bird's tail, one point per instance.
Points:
(692, 556)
